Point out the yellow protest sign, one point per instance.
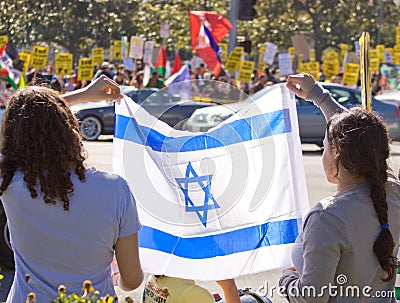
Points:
(302, 67)
(351, 73)
(398, 35)
(63, 64)
(85, 69)
(261, 55)
(246, 70)
(224, 50)
(292, 52)
(26, 51)
(374, 60)
(111, 53)
(235, 57)
(313, 68)
(344, 48)
(311, 53)
(381, 50)
(117, 51)
(331, 67)
(365, 75)
(98, 55)
(261, 66)
(396, 54)
(331, 56)
(39, 56)
(26, 58)
(3, 40)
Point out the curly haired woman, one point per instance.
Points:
(65, 220)
(347, 248)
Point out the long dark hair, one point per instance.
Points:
(361, 139)
(41, 138)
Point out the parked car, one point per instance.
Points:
(97, 118)
(311, 120)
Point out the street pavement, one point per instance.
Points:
(100, 155)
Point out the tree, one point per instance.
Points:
(76, 26)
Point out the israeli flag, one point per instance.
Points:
(219, 204)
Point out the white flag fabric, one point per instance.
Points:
(219, 204)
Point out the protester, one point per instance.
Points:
(66, 220)
(351, 235)
(155, 81)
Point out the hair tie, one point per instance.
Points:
(385, 226)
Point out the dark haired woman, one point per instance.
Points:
(65, 220)
(348, 243)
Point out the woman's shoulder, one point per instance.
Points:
(95, 174)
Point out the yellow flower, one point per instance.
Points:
(31, 298)
(62, 289)
(1, 277)
(87, 286)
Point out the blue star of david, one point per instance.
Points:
(205, 184)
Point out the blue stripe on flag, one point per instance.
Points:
(242, 130)
(240, 240)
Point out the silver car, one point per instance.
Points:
(311, 120)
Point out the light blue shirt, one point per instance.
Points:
(56, 247)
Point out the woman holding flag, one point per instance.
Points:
(347, 247)
(66, 220)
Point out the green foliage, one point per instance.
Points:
(80, 25)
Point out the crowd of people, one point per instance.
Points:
(353, 232)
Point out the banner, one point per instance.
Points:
(39, 56)
(234, 59)
(136, 47)
(63, 64)
(148, 51)
(117, 50)
(351, 74)
(269, 53)
(285, 64)
(246, 70)
(224, 51)
(374, 63)
(98, 55)
(85, 69)
(3, 40)
(124, 47)
(219, 204)
(26, 58)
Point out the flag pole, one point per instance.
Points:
(365, 75)
(233, 17)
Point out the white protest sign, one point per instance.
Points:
(285, 64)
(136, 47)
(269, 53)
(357, 48)
(148, 51)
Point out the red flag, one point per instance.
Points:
(177, 64)
(161, 61)
(218, 25)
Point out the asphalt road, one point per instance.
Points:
(100, 155)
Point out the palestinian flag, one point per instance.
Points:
(161, 61)
(7, 72)
(177, 64)
(148, 71)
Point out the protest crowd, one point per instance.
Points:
(354, 232)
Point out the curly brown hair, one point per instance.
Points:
(41, 138)
(361, 139)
